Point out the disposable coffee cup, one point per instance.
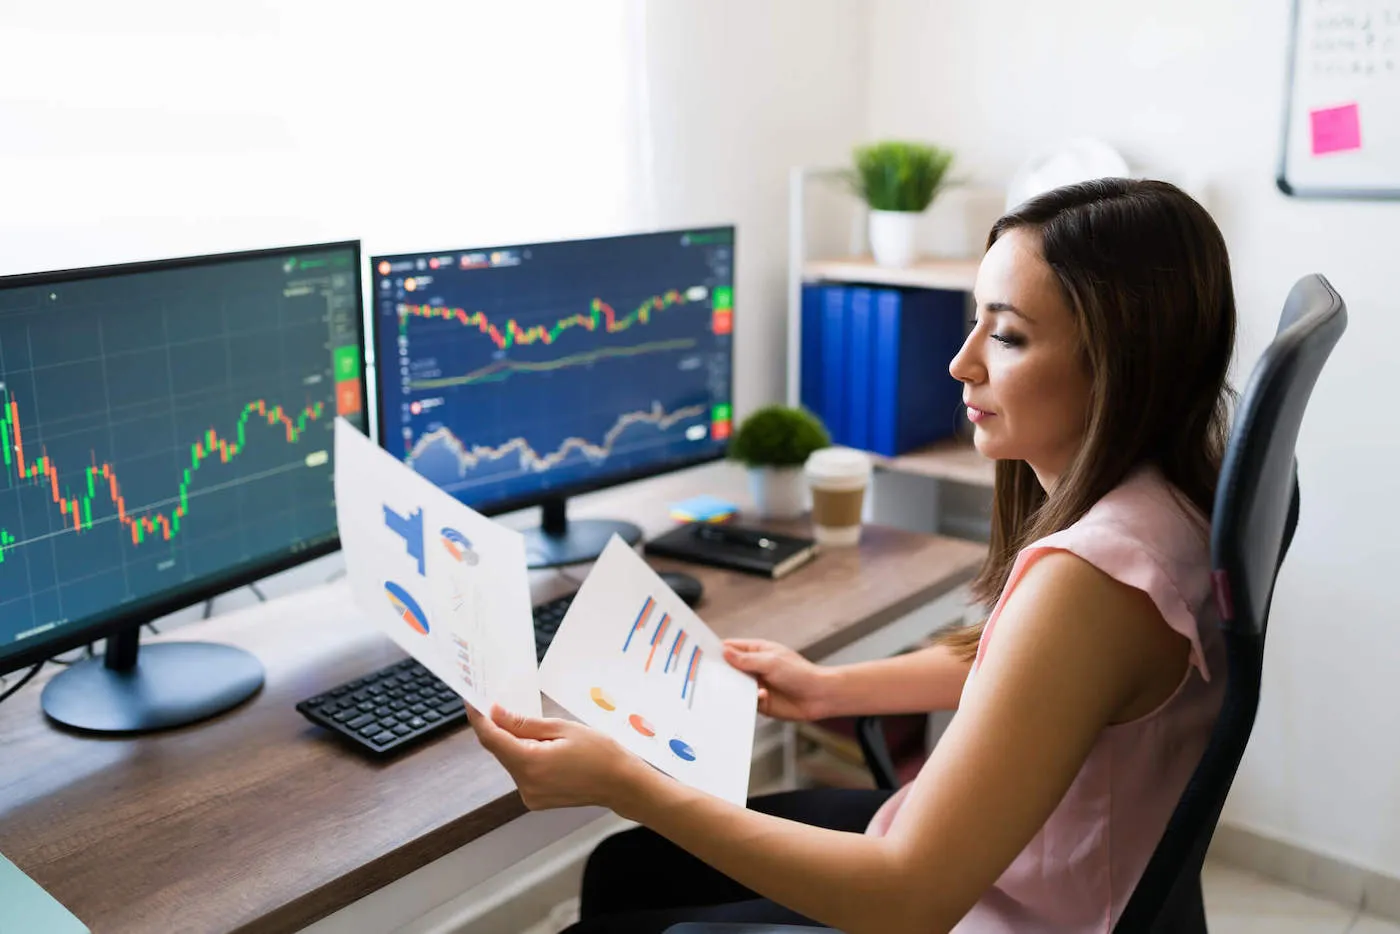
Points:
(837, 478)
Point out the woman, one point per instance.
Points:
(1094, 375)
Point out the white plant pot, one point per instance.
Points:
(892, 236)
(777, 491)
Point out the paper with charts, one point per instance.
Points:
(447, 584)
(630, 659)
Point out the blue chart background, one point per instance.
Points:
(133, 369)
(553, 282)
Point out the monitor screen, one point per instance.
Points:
(511, 375)
(166, 433)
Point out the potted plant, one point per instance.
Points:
(898, 181)
(773, 443)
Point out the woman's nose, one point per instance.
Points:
(965, 367)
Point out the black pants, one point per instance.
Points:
(638, 882)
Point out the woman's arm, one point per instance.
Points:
(1072, 647)
(916, 682)
(792, 688)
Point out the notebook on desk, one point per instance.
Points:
(25, 907)
(752, 551)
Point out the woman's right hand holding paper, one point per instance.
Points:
(789, 686)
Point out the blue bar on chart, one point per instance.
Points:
(688, 689)
(641, 621)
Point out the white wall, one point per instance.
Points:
(1195, 88)
(740, 92)
(162, 128)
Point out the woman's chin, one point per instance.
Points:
(985, 445)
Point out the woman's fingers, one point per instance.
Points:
(748, 645)
(523, 727)
(757, 662)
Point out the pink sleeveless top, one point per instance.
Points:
(1076, 874)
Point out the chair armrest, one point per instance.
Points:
(870, 733)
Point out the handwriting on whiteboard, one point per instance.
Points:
(1355, 39)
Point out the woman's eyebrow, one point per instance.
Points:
(1008, 307)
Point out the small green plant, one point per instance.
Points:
(899, 176)
(778, 436)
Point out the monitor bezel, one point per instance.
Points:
(594, 484)
(139, 612)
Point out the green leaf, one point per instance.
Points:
(778, 436)
(899, 176)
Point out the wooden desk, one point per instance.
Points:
(257, 821)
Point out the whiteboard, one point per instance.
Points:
(1341, 127)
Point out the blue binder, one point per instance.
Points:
(860, 341)
(885, 394)
(914, 399)
(810, 373)
(833, 408)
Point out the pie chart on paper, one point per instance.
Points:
(407, 608)
(458, 546)
(683, 750)
(601, 698)
(641, 726)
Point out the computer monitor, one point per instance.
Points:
(517, 376)
(165, 429)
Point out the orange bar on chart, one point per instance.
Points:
(347, 397)
(656, 638)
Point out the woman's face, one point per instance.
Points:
(1025, 382)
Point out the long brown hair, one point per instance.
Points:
(1145, 271)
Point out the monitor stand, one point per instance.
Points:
(557, 541)
(173, 683)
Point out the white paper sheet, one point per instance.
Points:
(444, 582)
(630, 659)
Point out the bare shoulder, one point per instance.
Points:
(1068, 612)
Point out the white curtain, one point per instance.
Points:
(146, 129)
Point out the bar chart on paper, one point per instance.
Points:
(677, 660)
(634, 661)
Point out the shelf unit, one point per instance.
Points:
(953, 460)
(958, 275)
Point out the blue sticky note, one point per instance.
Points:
(702, 509)
(26, 907)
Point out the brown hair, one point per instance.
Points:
(1145, 271)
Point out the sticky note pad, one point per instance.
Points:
(24, 906)
(1335, 129)
(703, 509)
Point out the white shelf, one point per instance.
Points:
(955, 460)
(957, 275)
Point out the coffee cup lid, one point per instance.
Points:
(837, 464)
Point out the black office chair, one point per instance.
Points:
(1252, 525)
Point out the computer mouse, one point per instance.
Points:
(688, 588)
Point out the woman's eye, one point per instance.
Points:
(1008, 340)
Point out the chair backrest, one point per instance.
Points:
(1252, 525)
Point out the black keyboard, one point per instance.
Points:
(402, 703)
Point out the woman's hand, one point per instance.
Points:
(556, 763)
(789, 686)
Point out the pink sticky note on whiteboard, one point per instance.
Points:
(1335, 129)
